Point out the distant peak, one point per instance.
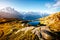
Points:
(8, 10)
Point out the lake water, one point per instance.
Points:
(34, 23)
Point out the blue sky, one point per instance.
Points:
(48, 6)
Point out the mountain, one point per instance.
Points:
(9, 12)
(33, 15)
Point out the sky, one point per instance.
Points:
(44, 6)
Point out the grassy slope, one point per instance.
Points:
(14, 30)
(52, 21)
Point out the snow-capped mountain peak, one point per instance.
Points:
(8, 10)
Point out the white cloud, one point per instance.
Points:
(57, 4)
(52, 7)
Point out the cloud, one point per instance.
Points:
(53, 7)
(57, 4)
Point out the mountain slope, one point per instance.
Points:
(15, 30)
(9, 12)
(33, 15)
(53, 21)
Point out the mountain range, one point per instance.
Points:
(9, 12)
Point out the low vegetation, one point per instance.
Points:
(15, 29)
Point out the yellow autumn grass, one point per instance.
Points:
(52, 21)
